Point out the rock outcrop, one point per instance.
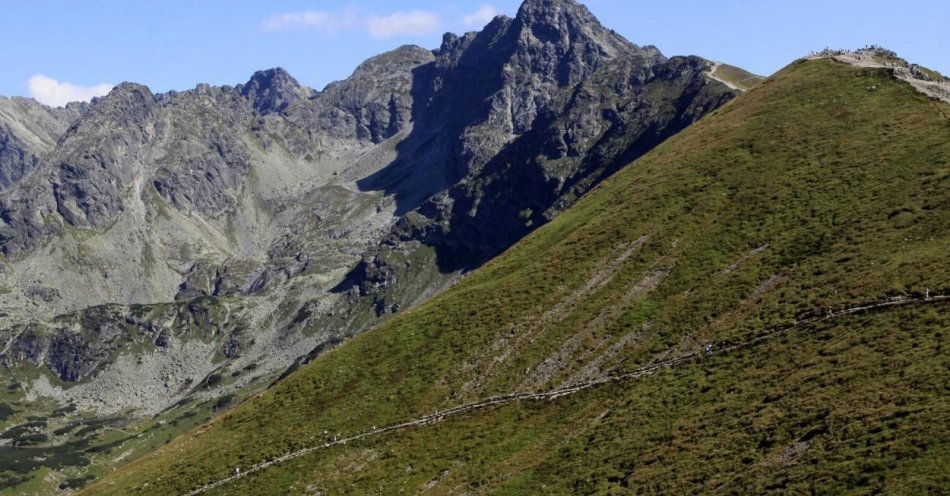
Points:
(273, 90)
(29, 130)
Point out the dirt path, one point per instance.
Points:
(711, 74)
(713, 349)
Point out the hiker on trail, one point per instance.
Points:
(709, 349)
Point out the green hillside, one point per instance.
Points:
(822, 188)
(736, 76)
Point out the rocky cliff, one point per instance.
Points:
(29, 130)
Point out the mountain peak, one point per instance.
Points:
(566, 22)
(123, 97)
(399, 59)
(128, 88)
(549, 6)
(273, 90)
(554, 13)
(273, 74)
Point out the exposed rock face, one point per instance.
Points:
(273, 90)
(379, 95)
(84, 181)
(224, 221)
(28, 130)
(538, 109)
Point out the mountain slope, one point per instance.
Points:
(734, 77)
(821, 188)
(170, 254)
(205, 231)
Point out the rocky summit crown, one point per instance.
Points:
(273, 90)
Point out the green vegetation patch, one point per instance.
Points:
(740, 78)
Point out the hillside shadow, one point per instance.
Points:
(415, 173)
(520, 187)
(445, 101)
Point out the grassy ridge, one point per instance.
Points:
(740, 78)
(822, 186)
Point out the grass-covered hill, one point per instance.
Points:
(738, 77)
(824, 187)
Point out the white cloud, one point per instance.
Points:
(49, 91)
(480, 17)
(321, 20)
(412, 23)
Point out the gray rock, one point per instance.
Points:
(273, 90)
(268, 221)
(28, 131)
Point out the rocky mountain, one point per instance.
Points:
(160, 249)
(756, 306)
(422, 164)
(552, 103)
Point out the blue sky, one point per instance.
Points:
(59, 50)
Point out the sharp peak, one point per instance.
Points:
(125, 90)
(126, 86)
(130, 100)
(278, 70)
(548, 3)
(529, 7)
(409, 47)
(556, 16)
(272, 75)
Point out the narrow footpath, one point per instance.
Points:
(710, 350)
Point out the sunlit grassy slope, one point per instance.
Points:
(738, 77)
(823, 186)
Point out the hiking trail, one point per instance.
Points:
(711, 349)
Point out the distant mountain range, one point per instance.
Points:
(299, 217)
(167, 256)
